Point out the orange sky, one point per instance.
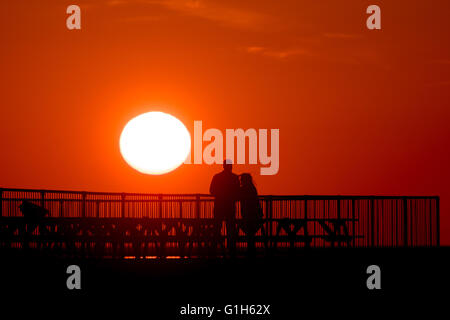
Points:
(359, 111)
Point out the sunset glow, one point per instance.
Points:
(155, 143)
(359, 111)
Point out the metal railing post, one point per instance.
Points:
(83, 204)
(339, 218)
(122, 209)
(405, 222)
(372, 223)
(353, 224)
(42, 198)
(305, 230)
(160, 206)
(97, 208)
(1, 203)
(197, 206)
(269, 217)
(438, 230)
(61, 208)
(180, 213)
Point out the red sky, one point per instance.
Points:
(359, 111)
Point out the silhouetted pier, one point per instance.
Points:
(103, 224)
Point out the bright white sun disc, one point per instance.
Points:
(155, 143)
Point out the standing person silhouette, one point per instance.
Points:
(252, 215)
(225, 189)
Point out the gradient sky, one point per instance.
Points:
(359, 111)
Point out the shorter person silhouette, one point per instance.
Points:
(252, 216)
(225, 189)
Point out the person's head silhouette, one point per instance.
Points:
(227, 165)
(246, 179)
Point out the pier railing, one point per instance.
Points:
(136, 224)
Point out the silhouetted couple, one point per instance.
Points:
(227, 188)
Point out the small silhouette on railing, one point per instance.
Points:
(225, 187)
(32, 212)
(33, 215)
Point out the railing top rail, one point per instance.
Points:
(264, 197)
(103, 193)
(344, 197)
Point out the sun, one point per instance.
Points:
(155, 143)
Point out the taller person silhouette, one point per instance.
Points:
(225, 189)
